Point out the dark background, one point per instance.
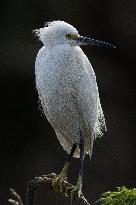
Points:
(28, 145)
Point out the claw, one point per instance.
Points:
(57, 182)
(77, 190)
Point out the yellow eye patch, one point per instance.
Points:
(72, 36)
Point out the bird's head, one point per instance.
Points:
(59, 32)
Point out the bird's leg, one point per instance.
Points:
(63, 174)
(78, 188)
(59, 179)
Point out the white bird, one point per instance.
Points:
(68, 91)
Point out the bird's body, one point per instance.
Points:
(68, 92)
(69, 95)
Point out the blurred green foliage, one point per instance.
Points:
(123, 196)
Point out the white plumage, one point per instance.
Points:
(67, 87)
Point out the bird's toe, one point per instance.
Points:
(76, 190)
(57, 183)
(76, 193)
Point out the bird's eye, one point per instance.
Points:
(68, 36)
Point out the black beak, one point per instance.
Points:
(94, 42)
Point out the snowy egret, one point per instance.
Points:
(68, 91)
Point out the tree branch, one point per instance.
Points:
(46, 181)
(17, 199)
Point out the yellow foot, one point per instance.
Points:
(57, 182)
(77, 190)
